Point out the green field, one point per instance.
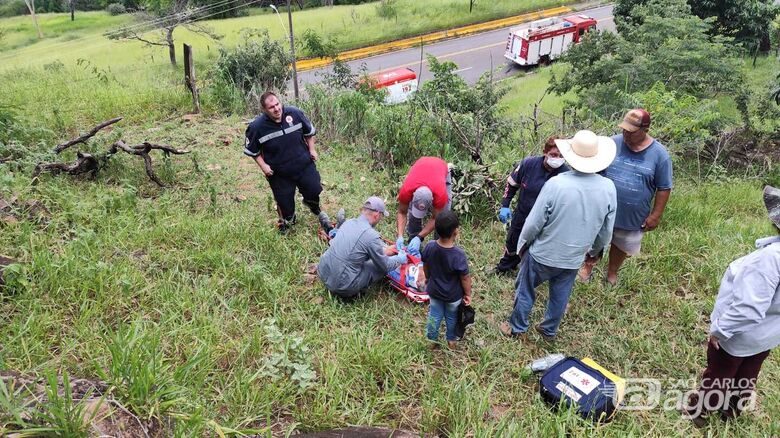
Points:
(348, 26)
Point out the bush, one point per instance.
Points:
(386, 9)
(116, 9)
(242, 74)
(13, 8)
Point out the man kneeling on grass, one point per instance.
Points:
(357, 256)
(448, 280)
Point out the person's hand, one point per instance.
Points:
(314, 155)
(401, 257)
(504, 214)
(414, 244)
(715, 342)
(399, 243)
(391, 250)
(467, 300)
(267, 171)
(651, 223)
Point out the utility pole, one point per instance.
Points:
(292, 50)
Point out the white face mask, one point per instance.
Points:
(555, 162)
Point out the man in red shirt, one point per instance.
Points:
(427, 187)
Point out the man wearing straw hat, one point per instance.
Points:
(745, 326)
(572, 219)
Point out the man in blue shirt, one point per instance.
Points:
(572, 219)
(281, 141)
(642, 171)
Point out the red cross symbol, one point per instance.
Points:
(585, 382)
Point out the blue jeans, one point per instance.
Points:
(438, 310)
(531, 275)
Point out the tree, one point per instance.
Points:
(166, 15)
(747, 21)
(31, 7)
(670, 46)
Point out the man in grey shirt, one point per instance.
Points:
(357, 256)
(572, 217)
(745, 326)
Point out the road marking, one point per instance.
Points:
(446, 55)
(463, 69)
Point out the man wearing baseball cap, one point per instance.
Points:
(571, 219)
(427, 188)
(357, 256)
(641, 171)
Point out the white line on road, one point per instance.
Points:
(463, 69)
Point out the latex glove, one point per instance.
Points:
(504, 214)
(401, 256)
(399, 243)
(414, 244)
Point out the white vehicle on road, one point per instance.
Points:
(546, 39)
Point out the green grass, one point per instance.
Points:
(200, 270)
(350, 26)
(528, 89)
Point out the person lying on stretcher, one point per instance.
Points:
(358, 257)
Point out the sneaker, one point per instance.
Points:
(324, 221)
(545, 336)
(506, 330)
(340, 218)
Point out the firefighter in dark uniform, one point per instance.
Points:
(281, 141)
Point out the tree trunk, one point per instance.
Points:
(72, 10)
(31, 7)
(171, 46)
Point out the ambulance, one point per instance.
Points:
(400, 84)
(546, 39)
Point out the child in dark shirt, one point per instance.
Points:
(448, 281)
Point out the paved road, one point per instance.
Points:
(474, 54)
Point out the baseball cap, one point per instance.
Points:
(377, 204)
(422, 200)
(635, 119)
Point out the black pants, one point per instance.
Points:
(283, 188)
(510, 260)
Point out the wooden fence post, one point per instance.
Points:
(189, 77)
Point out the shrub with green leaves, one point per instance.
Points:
(116, 9)
(242, 74)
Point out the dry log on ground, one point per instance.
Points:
(84, 137)
(143, 150)
(85, 163)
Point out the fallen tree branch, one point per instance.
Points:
(143, 150)
(81, 139)
(85, 163)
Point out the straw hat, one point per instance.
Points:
(587, 152)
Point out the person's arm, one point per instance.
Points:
(308, 135)
(754, 288)
(654, 218)
(512, 185)
(400, 220)
(376, 252)
(267, 171)
(430, 225)
(310, 142)
(465, 281)
(604, 236)
(253, 148)
(536, 219)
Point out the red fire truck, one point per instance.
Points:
(546, 39)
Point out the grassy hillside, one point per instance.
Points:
(199, 272)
